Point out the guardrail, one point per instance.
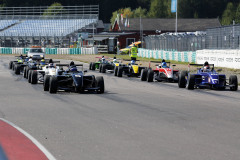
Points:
(79, 51)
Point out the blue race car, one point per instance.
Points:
(207, 77)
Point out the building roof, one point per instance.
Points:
(168, 24)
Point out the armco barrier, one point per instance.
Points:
(168, 55)
(220, 58)
(78, 51)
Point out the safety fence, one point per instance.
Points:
(220, 58)
(79, 51)
(186, 56)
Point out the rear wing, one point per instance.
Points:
(202, 65)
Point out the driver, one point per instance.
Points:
(133, 62)
(164, 65)
(206, 66)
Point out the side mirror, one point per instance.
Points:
(173, 65)
(85, 71)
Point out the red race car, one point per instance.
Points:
(163, 72)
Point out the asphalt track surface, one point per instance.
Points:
(132, 120)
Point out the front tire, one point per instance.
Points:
(17, 69)
(191, 82)
(29, 76)
(115, 71)
(53, 84)
(34, 77)
(120, 71)
(100, 84)
(144, 74)
(150, 75)
(10, 65)
(233, 81)
(46, 82)
(182, 79)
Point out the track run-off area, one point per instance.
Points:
(132, 120)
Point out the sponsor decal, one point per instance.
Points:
(213, 58)
(229, 59)
(221, 59)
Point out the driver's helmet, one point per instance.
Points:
(72, 63)
(42, 62)
(164, 64)
(206, 66)
(73, 69)
(114, 61)
(132, 62)
(103, 59)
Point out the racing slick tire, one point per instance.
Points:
(104, 67)
(191, 82)
(10, 65)
(144, 74)
(150, 75)
(53, 84)
(13, 66)
(120, 71)
(29, 76)
(100, 68)
(27, 70)
(233, 81)
(100, 84)
(17, 69)
(46, 82)
(93, 66)
(34, 77)
(182, 79)
(115, 70)
(24, 72)
(90, 66)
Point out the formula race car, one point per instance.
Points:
(96, 65)
(77, 81)
(131, 70)
(206, 77)
(17, 66)
(162, 72)
(109, 66)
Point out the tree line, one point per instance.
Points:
(226, 10)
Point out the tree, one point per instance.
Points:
(228, 14)
(158, 9)
(237, 16)
(140, 12)
(54, 9)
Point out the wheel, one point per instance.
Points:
(10, 64)
(150, 74)
(100, 68)
(17, 69)
(233, 81)
(34, 77)
(191, 82)
(29, 76)
(182, 79)
(24, 72)
(27, 70)
(90, 66)
(104, 67)
(120, 71)
(115, 70)
(53, 84)
(93, 66)
(100, 84)
(46, 82)
(144, 74)
(13, 66)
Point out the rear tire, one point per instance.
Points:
(150, 74)
(144, 74)
(191, 82)
(29, 76)
(10, 65)
(17, 69)
(34, 77)
(115, 71)
(46, 82)
(182, 79)
(90, 66)
(100, 84)
(93, 66)
(24, 72)
(120, 71)
(104, 67)
(53, 84)
(100, 68)
(233, 81)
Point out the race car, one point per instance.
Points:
(109, 66)
(131, 70)
(44, 72)
(163, 72)
(206, 78)
(76, 81)
(96, 65)
(17, 65)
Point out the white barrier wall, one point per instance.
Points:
(220, 58)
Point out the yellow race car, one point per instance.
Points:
(128, 48)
